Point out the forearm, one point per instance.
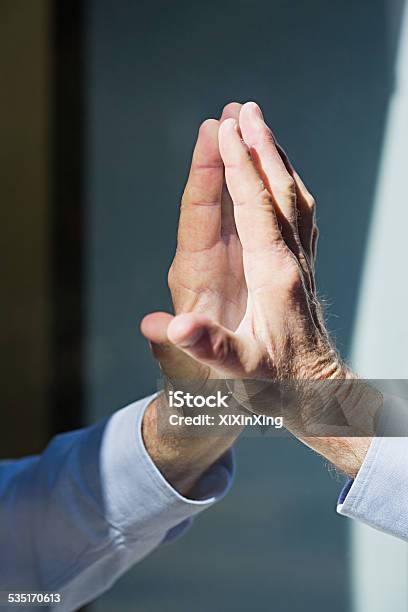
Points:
(182, 458)
(353, 407)
(92, 505)
(346, 454)
(55, 530)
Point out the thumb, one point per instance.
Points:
(174, 363)
(208, 343)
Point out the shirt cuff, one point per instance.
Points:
(378, 495)
(138, 499)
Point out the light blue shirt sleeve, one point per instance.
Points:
(379, 494)
(75, 518)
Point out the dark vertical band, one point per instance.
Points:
(66, 159)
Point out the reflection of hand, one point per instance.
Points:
(245, 297)
(206, 275)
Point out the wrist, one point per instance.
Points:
(181, 458)
(346, 454)
(339, 422)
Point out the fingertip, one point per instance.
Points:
(231, 110)
(251, 108)
(230, 121)
(145, 324)
(208, 133)
(228, 126)
(154, 326)
(206, 149)
(253, 127)
(230, 141)
(208, 125)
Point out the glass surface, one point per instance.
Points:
(332, 79)
(323, 74)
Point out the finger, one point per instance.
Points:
(228, 227)
(306, 207)
(173, 362)
(200, 213)
(274, 170)
(231, 111)
(208, 343)
(261, 143)
(253, 206)
(154, 327)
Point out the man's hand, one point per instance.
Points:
(249, 309)
(246, 306)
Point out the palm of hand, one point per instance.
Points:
(211, 281)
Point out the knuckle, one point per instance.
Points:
(264, 198)
(288, 188)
